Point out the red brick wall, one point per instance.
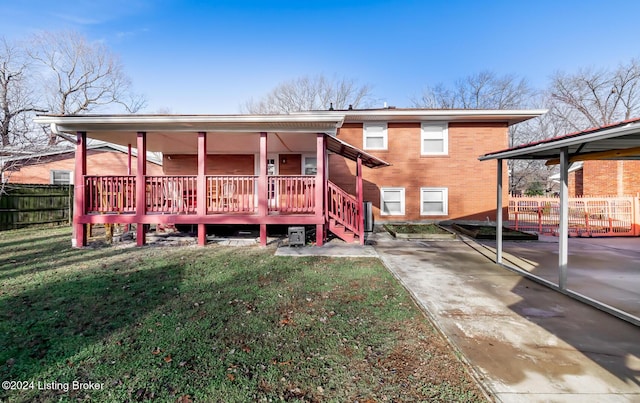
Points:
(98, 163)
(616, 178)
(219, 164)
(471, 184)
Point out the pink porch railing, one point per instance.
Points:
(225, 194)
(171, 194)
(588, 216)
(292, 194)
(231, 194)
(342, 207)
(110, 194)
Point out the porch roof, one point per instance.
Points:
(311, 123)
(348, 151)
(170, 131)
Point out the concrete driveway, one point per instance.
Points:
(525, 341)
(604, 269)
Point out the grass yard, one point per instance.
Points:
(189, 324)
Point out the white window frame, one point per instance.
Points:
(54, 171)
(445, 201)
(304, 163)
(365, 135)
(444, 136)
(402, 201)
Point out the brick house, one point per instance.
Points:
(299, 169)
(434, 174)
(57, 167)
(604, 178)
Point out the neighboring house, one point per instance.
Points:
(604, 178)
(297, 169)
(57, 166)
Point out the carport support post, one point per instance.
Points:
(564, 219)
(499, 214)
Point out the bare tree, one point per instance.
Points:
(596, 97)
(79, 76)
(16, 100)
(484, 90)
(311, 93)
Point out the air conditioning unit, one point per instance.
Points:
(367, 211)
(296, 236)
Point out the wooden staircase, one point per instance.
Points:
(341, 231)
(344, 215)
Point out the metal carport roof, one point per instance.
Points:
(619, 141)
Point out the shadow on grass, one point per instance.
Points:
(11, 242)
(46, 325)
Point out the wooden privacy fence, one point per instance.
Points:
(588, 216)
(30, 205)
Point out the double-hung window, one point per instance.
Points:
(374, 135)
(433, 201)
(434, 138)
(60, 177)
(392, 201)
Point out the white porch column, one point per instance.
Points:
(499, 214)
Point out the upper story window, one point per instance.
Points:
(434, 138)
(374, 135)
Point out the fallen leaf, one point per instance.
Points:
(184, 399)
(246, 349)
(168, 358)
(231, 377)
(156, 351)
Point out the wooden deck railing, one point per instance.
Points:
(110, 194)
(588, 216)
(171, 194)
(225, 194)
(343, 207)
(292, 194)
(232, 194)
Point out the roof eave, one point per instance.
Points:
(562, 142)
(326, 123)
(511, 117)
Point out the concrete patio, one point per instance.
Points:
(524, 341)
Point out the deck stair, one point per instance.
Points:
(343, 214)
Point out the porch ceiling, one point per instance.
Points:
(238, 143)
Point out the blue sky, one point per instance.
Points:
(212, 56)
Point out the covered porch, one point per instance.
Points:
(240, 169)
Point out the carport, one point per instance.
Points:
(620, 141)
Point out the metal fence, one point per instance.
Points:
(31, 205)
(588, 216)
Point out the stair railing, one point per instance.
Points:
(343, 207)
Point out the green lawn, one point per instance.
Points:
(211, 324)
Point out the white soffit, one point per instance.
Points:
(322, 123)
